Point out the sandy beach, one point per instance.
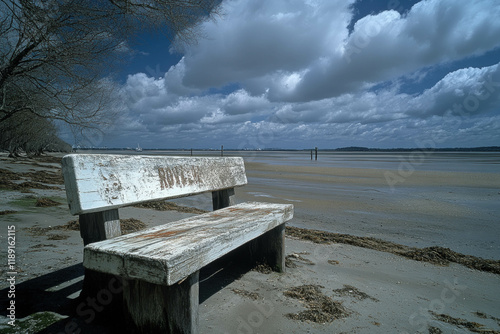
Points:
(331, 285)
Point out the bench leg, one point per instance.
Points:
(95, 227)
(151, 308)
(270, 248)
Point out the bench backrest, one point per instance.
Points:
(98, 182)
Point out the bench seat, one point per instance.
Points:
(168, 253)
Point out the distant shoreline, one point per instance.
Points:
(342, 149)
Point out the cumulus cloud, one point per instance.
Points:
(465, 92)
(258, 37)
(290, 71)
(302, 51)
(387, 45)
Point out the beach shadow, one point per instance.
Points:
(48, 292)
(222, 272)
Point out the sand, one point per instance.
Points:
(329, 287)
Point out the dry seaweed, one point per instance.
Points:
(48, 159)
(291, 260)
(470, 325)
(57, 237)
(168, 206)
(37, 180)
(321, 308)
(434, 330)
(351, 291)
(245, 293)
(483, 315)
(35, 185)
(46, 202)
(130, 225)
(6, 174)
(73, 225)
(9, 185)
(7, 212)
(263, 268)
(45, 177)
(289, 263)
(38, 231)
(435, 255)
(38, 246)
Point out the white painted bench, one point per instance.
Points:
(160, 266)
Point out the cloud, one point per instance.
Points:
(465, 92)
(387, 45)
(383, 115)
(302, 51)
(290, 73)
(258, 37)
(241, 102)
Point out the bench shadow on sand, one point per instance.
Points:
(42, 294)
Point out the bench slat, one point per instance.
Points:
(97, 182)
(168, 253)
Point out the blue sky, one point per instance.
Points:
(325, 73)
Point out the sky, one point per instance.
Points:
(297, 74)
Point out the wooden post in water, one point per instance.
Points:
(316, 150)
(222, 150)
(311, 155)
(191, 152)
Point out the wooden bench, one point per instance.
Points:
(160, 266)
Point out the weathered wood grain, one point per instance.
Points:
(96, 182)
(222, 198)
(168, 253)
(151, 308)
(269, 248)
(98, 226)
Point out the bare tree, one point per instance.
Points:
(55, 54)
